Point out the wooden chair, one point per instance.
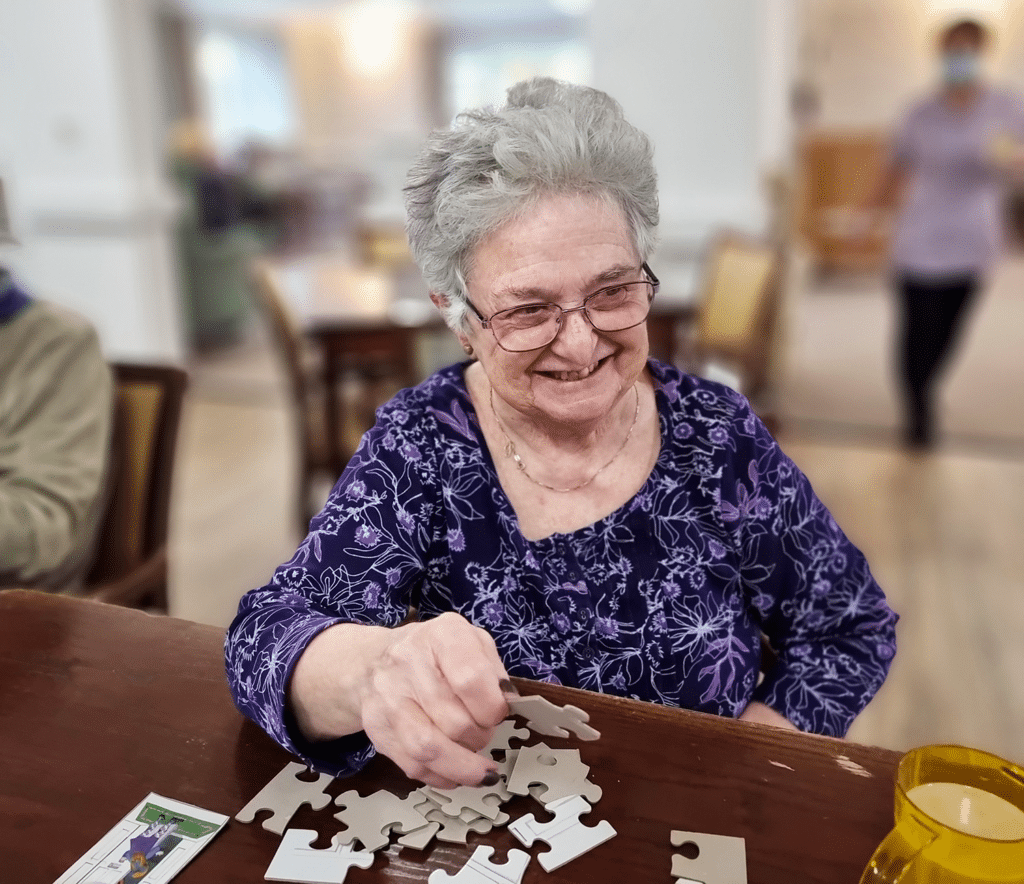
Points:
(307, 395)
(373, 366)
(737, 313)
(130, 564)
(837, 171)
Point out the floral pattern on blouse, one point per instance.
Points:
(663, 600)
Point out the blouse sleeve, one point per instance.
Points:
(820, 608)
(363, 562)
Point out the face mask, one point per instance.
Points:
(960, 68)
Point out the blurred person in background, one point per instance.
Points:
(213, 244)
(951, 158)
(56, 401)
(560, 506)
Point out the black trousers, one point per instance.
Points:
(932, 317)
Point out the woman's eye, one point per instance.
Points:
(609, 297)
(530, 313)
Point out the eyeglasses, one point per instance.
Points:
(532, 326)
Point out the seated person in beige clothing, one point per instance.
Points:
(55, 425)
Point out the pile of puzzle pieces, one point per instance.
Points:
(557, 778)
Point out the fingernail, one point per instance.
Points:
(490, 778)
(507, 687)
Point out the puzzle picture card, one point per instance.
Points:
(151, 844)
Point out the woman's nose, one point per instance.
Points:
(575, 333)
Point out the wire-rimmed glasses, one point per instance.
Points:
(610, 309)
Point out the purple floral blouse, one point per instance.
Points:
(664, 600)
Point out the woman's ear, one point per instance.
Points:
(441, 302)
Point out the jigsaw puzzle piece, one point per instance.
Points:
(567, 837)
(560, 771)
(506, 767)
(284, 795)
(544, 717)
(296, 861)
(503, 733)
(455, 830)
(720, 859)
(420, 838)
(483, 800)
(370, 819)
(480, 870)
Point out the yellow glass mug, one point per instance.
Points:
(959, 820)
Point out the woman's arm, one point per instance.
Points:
(428, 695)
(761, 714)
(821, 609)
(316, 657)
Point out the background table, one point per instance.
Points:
(100, 705)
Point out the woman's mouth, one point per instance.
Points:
(577, 375)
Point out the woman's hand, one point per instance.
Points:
(428, 695)
(763, 714)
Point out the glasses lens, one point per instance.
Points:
(526, 328)
(621, 307)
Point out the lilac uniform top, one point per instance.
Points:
(662, 600)
(950, 223)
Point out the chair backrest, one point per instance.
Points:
(739, 304)
(147, 411)
(836, 172)
(283, 327)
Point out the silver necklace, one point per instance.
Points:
(510, 449)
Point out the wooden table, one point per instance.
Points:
(100, 705)
(367, 320)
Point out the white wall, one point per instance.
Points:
(708, 82)
(80, 155)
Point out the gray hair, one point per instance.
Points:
(493, 164)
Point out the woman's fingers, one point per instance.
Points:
(445, 706)
(408, 736)
(468, 661)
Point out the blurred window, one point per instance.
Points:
(247, 89)
(481, 61)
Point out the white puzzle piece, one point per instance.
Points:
(370, 819)
(560, 772)
(720, 859)
(482, 800)
(420, 838)
(566, 835)
(296, 861)
(284, 795)
(454, 830)
(503, 734)
(544, 717)
(480, 870)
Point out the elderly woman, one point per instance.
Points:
(560, 507)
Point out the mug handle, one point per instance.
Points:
(892, 859)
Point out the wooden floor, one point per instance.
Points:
(943, 533)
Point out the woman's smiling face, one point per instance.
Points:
(562, 250)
